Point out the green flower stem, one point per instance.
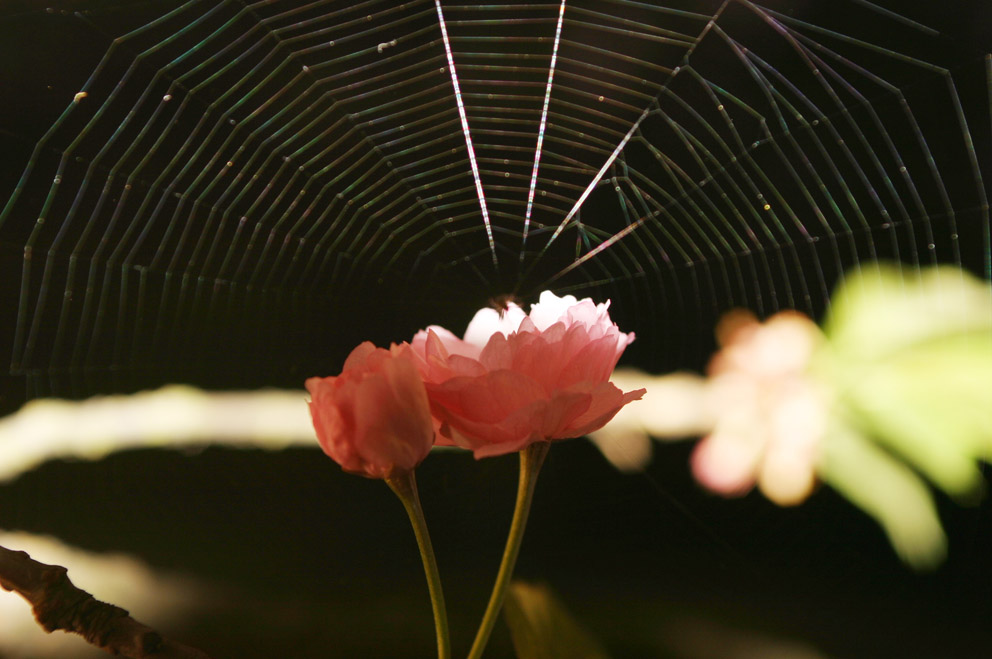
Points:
(531, 459)
(405, 487)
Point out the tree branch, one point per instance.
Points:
(58, 604)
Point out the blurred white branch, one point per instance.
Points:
(173, 416)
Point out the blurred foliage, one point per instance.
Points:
(541, 628)
(909, 362)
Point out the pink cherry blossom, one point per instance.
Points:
(516, 378)
(374, 419)
(769, 414)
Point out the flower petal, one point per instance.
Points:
(488, 321)
(489, 398)
(606, 401)
(725, 465)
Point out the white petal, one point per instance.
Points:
(489, 321)
(550, 309)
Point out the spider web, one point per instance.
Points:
(235, 192)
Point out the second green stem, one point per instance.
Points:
(531, 459)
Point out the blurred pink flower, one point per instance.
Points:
(516, 379)
(769, 414)
(374, 419)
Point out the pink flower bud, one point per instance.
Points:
(374, 419)
(517, 379)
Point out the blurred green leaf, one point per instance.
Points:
(889, 491)
(932, 405)
(884, 308)
(909, 362)
(541, 628)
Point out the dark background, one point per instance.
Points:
(311, 562)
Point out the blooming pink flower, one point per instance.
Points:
(516, 379)
(374, 419)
